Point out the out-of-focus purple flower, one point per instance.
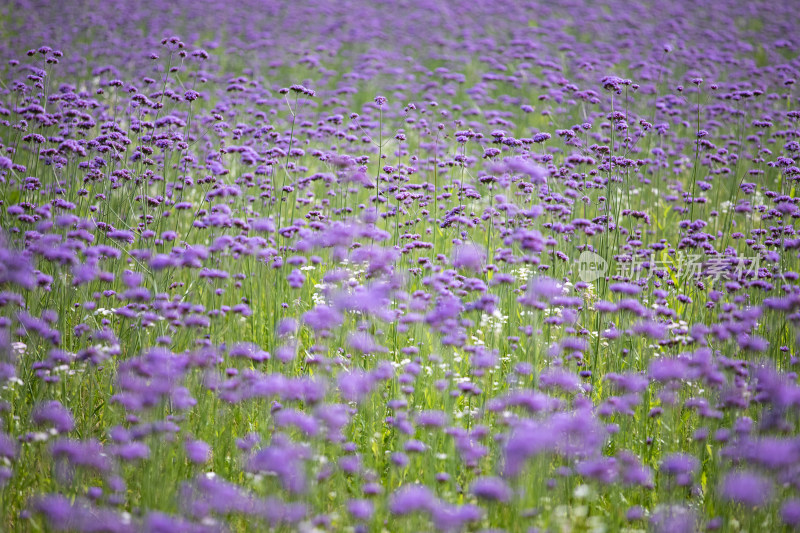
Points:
(790, 512)
(249, 351)
(634, 513)
(322, 318)
(364, 342)
(652, 329)
(561, 379)
(602, 469)
(132, 451)
(535, 172)
(296, 279)
(54, 414)
(399, 459)
(431, 418)
(80, 515)
(746, 487)
(197, 451)
(632, 471)
(412, 498)
(491, 488)
(448, 517)
(681, 466)
(157, 522)
(360, 509)
(355, 385)
(286, 460)
(673, 519)
(625, 288)
(8, 446)
(286, 326)
(469, 257)
(575, 434)
(545, 288)
(292, 417)
(88, 453)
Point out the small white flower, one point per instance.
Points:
(582, 491)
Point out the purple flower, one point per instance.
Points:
(634, 513)
(411, 498)
(197, 451)
(292, 417)
(322, 318)
(571, 435)
(681, 466)
(560, 378)
(296, 279)
(414, 446)
(360, 509)
(628, 382)
(399, 459)
(80, 515)
(355, 385)
(350, 464)
(469, 257)
(625, 288)
(286, 326)
(491, 488)
(285, 459)
(790, 512)
(249, 351)
(448, 517)
(286, 352)
(632, 471)
(603, 469)
(670, 369)
(16, 268)
(263, 225)
(431, 418)
(673, 519)
(157, 522)
(364, 342)
(746, 487)
(121, 235)
(87, 453)
(8, 446)
(132, 451)
(654, 330)
(545, 288)
(536, 173)
(54, 414)
(132, 279)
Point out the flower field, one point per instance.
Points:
(406, 266)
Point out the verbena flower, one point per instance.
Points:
(746, 487)
(491, 488)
